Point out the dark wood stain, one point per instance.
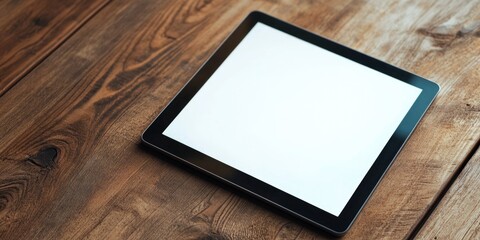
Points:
(41, 22)
(45, 158)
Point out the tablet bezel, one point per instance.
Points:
(337, 225)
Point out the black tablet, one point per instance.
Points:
(294, 119)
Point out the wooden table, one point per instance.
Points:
(81, 80)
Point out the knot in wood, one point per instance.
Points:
(45, 158)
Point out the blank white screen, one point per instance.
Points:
(295, 116)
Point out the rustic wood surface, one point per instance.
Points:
(70, 161)
(31, 29)
(458, 214)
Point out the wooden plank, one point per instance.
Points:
(70, 161)
(457, 216)
(32, 29)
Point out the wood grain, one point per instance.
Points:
(458, 214)
(32, 29)
(70, 161)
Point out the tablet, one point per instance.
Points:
(294, 119)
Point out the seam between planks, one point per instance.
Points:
(443, 191)
(63, 39)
